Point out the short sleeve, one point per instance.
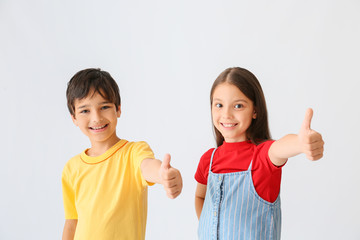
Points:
(263, 154)
(266, 176)
(202, 171)
(68, 197)
(141, 151)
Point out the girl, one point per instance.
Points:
(237, 195)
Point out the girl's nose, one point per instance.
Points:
(227, 113)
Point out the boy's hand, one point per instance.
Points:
(311, 141)
(170, 178)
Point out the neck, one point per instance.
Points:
(98, 148)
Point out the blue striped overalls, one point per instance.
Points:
(233, 210)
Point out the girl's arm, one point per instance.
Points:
(307, 141)
(199, 198)
(156, 171)
(69, 229)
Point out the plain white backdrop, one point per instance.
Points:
(165, 56)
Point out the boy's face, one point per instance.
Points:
(96, 117)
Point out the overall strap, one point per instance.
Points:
(212, 156)
(250, 165)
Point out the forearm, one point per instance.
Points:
(200, 194)
(150, 170)
(199, 203)
(69, 229)
(155, 171)
(284, 148)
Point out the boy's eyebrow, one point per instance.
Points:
(87, 105)
(106, 102)
(83, 106)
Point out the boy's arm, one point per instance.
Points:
(199, 198)
(69, 229)
(156, 171)
(307, 141)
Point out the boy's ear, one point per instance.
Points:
(74, 120)
(118, 111)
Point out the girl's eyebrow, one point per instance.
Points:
(241, 100)
(237, 100)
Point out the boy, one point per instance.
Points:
(105, 187)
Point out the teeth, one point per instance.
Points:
(228, 125)
(97, 128)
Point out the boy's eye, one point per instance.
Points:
(105, 107)
(239, 106)
(218, 105)
(84, 111)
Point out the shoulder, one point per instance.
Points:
(138, 151)
(207, 155)
(137, 146)
(71, 165)
(264, 146)
(205, 159)
(137, 143)
(72, 161)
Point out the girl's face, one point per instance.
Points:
(232, 112)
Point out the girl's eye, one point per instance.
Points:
(105, 107)
(218, 105)
(238, 106)
(84, 111)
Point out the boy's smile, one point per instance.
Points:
(97, 118)
(232, 112)
(99, 129)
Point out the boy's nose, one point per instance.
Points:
(96, 117)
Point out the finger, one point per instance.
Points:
(171, 173)
(173, 196)
(312, 155)
(314, 146)
(316, 157)
(170, 183)
(166, 162)
(307, 120)
(173, 193)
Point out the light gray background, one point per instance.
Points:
(165, 56)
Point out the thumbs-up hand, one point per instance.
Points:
(170, 178)
(311, 141)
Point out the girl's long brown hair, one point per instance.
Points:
(248, 84)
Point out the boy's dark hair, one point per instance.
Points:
(248, 84)
(91, 80)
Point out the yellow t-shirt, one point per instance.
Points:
(107, 194)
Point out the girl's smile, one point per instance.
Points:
(228, 125)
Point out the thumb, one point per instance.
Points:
(166, 162)
(306, 125)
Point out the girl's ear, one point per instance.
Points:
(254, 115)
(118, 111)
(74, 120)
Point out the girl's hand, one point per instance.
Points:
(170, 178)
(310, 141)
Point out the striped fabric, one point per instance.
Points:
(233, 210)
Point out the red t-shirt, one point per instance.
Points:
(236, 157)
